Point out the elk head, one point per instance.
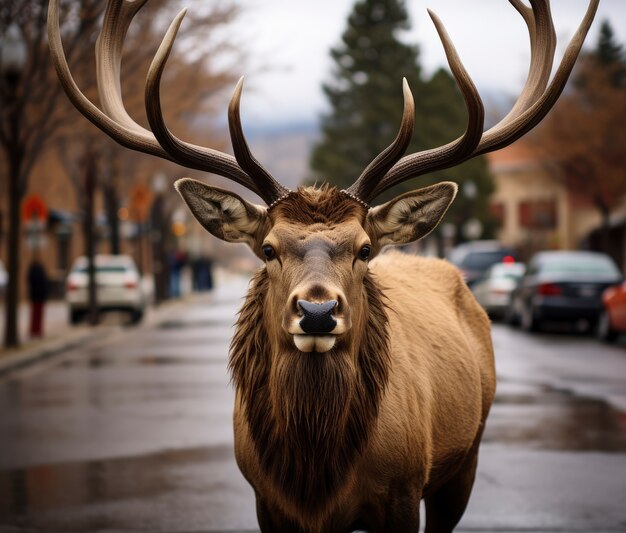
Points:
(316, 243)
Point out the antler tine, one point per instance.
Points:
(532, 105)
(367, 181)
(540, 28)
(538, 20)
(264, 180)
(118, 15)
(498, 137)
(188, 154)
(136, 140)
(117, 19)
(434, 159)
(114, 120)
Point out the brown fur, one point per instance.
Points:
(356, 436)
(309, 436)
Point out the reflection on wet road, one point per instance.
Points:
(134, 433)
(546, 419)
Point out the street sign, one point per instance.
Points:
(34, 208)
(140, 200)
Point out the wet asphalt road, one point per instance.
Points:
(134, 433)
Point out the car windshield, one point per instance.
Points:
(599, 266)
(482, 260)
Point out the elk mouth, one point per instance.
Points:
(319, 343)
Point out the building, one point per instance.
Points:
(535, 210)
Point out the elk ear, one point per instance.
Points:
(410, 216)
(224, 214)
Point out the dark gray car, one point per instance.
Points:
(563, 286)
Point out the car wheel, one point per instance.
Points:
(136, 315)
(76, 317)
(604, 331)
(528, 321)
(510, 316)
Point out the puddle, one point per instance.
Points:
(73, 496)
(551, 419)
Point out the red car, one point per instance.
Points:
(612, 321)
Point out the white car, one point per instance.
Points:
(4, 278)
(493, 291)
(118, 287)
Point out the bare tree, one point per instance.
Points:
(42, 115)
(32, 117)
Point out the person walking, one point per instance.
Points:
(37, 294)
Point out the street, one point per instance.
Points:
(133, 433)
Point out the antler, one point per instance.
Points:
(532, 105)
(115, 121)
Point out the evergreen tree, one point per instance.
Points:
(610, 54)
(366, 91)
(365, 96)
(608, 50)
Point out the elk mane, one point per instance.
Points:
(309, 444)
(319, 205)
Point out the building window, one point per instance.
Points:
(498, 210)
(538, 214)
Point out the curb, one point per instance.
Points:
(13, 360)
(9, 362)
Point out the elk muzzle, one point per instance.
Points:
(314, 324)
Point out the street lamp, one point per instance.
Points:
(12, 60)
(13, 54)
(470, 190)
(472, 227)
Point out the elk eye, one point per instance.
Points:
(364, 253)
(269, 252)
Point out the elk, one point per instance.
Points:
(363, 380)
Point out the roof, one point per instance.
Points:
(518, 155)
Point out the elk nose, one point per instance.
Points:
(317, 318)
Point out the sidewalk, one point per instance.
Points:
(60, 335)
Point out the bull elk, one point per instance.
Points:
(363, 380)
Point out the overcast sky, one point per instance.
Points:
(292, 39)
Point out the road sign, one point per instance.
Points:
(140, 200)
(34, 208)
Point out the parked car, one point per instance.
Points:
(563, 286)
(474, 258)
(4, 278)
(493, 291)
(118, 287)
(612, 319)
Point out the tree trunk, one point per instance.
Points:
(90, 245)
(112, 204)
(111, 200)
(11, 334)
(160, 267)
